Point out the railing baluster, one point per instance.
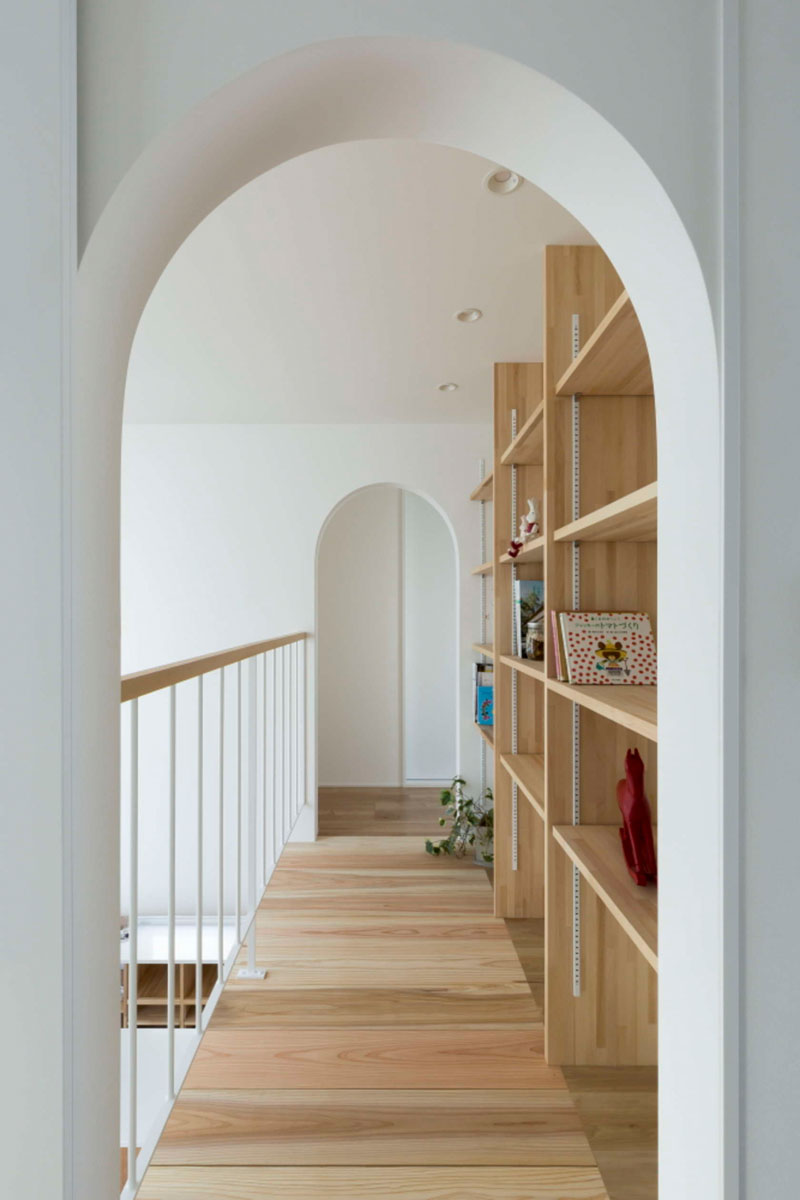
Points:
(133, 945)
(274, 745)
(297, 795)
(171, 903)
(252, 818)
(264, 826)
(198, 966)
(293, 730)
(287, 757)
(301, 724)
(281, 773)
(221, 833)
(238, 802)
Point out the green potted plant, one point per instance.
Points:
(471, 824)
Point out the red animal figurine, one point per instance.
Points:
(637, 833)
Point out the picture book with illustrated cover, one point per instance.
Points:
(528, 604)
(483, 691)
(608, 647)
(485, 715)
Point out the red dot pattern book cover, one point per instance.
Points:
(609, 647)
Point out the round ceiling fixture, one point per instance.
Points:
(502, 181)
(468, 315)
(448, 387)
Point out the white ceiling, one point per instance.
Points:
(325, 291)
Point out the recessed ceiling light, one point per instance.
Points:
(468, 315)
(448, 387)
(502, 181)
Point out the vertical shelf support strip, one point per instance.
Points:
(576, 712)
(515, 650)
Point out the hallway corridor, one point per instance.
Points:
(393, 1051)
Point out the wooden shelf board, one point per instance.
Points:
(532, 551)
(632, 518)
(485, 648)
(485, 488)
(596, 851)
(486, 732)
(484, 569)
(527, 448)
(614, 361)
(634, 707)
(526, 666)
(528, 771)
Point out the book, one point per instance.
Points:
(558, 656)
(482, 680)
(485, 714)
(608, 647)
(528, 605)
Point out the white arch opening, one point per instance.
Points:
(401, 760)
(474, 100)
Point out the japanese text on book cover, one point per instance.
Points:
(609, 647)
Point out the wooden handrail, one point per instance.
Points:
(141, 683)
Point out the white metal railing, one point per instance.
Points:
(238, 717)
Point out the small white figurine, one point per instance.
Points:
(528, 528)
(529, 525)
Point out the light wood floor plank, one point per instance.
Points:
(394, 1049)
(381, 900)
(373, 1183)
(386, 929)
(371, 1058)
(371, 1007)
(374, 1128)
(380, 975)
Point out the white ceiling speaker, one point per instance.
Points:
(448, 387)
(502, 181)
(468, 315)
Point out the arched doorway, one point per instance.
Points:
(482, 103)
(387, 642)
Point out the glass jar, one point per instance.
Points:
(534, 639)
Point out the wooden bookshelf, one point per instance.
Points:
(613, 361)
(484, 569)
(610, 452)
(153, 998)
(527, 448)
(527, 771)
(632, 518)
(485, 488)
(633, 708)
(486, 732)
(484, 648)
(531, 552)
(595, 850)
(520, 887)
(526, 666)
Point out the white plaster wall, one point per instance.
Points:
(770, 184)
(35, 299)
(358, 631)
(430, 643)
(220, 526)
(650, 67)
